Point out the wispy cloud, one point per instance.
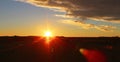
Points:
(64, 16)
(104, 28)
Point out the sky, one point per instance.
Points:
(71, 18)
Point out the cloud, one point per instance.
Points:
(107, 10)
(64, 16)
(104, 28)
(99, 10)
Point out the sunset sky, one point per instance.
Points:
(79, 18)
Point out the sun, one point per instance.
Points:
(48, 34)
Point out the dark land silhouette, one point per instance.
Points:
(59, 49)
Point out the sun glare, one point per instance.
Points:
(48, 34)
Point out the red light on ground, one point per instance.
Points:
(93, 55)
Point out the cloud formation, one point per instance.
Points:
(99, 10)
(104, 28)
(108, 10)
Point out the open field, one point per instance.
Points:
(59, 49)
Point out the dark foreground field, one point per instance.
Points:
(59, 49)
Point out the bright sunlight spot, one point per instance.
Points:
(48, 34)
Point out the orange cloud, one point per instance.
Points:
(104, 28)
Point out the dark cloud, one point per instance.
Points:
(83, 8)
(97, 9)
(100, 10)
